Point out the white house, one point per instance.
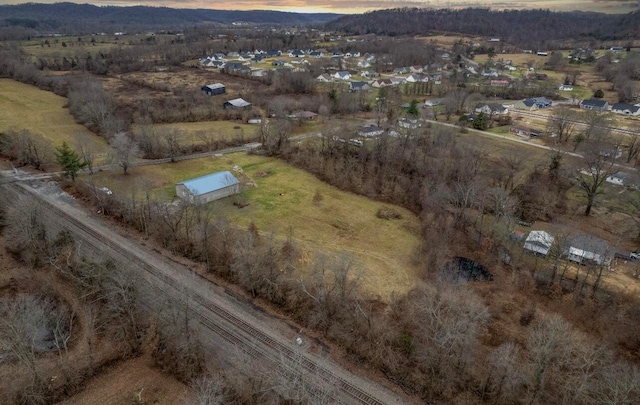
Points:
(584, 249)
(342, 75)
(324, 78)
(539, 242)
(565, 87)
(625, 109)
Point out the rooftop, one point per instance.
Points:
(210, 182)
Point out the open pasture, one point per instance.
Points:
(25, 107)
(282, 202)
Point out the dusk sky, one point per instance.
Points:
(359, 6)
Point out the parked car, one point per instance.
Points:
(635, 255)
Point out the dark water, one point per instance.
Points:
(462, 270)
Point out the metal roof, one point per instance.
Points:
(210, 182)
(215, 86)
(238, 102)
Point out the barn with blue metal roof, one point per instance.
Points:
(208, 188)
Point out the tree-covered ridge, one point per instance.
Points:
(51, 16)
(515, 26)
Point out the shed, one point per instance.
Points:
(237, 103)
(214, 89)
(538, 242)
(208, 188)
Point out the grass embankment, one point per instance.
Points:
(283, 201)
(25, 107)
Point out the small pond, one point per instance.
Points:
(461, 270)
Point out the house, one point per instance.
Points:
(542, 53)
(616, 49)
(416, 69)
(237, 68)
(524, 131)
(258, 58)
(342, 75)
(359, 86)
(417, 78)
(500, 82)
(594, 104)
(278, 62)
(214, 89)
(433, 102)
(259, 73)
(369, 73)
(208, 188)
(625, 109)
(381, 83)
(491, 109)
(370, 131)
(296, 53)
(587, 249)
(316, 54)
(623, 179)
(533, 103)
(364, 64)
(324, 78)
(538, 243)
(397, 80)
(274, 53)
(490, 73)
(402, 70)
(218, 64)
(237, 103)
(565, 87)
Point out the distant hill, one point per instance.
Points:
(515, 26)
(58, 16)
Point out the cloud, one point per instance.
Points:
(359, 6)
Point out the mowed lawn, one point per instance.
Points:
(23, 106)
(282, 201)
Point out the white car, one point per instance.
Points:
(635, 255)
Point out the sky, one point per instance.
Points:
(360, 6)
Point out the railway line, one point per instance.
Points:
(234, 328)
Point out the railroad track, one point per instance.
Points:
(243, 335)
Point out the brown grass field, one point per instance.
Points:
(43, 113)
(133, 381)
(282, 202)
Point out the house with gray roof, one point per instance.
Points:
(594, 104)
(208, 188)
(625, 109)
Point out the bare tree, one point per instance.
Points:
(172, 140)
(505, 374)
(562, 123)
(207, 390)
(550, 346)
(125, 151)
(86, 149)
(599, 162)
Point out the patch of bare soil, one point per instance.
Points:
(130, 382)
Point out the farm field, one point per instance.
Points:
(282, 202)
(223, 130)
(25, 107)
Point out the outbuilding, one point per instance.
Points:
(214, 89)
(208, 188)
(539, 243)
(237, 103)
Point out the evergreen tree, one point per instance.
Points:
(69, 160)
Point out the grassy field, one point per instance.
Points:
(224, 130)
(23, 106)
(283, 201)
